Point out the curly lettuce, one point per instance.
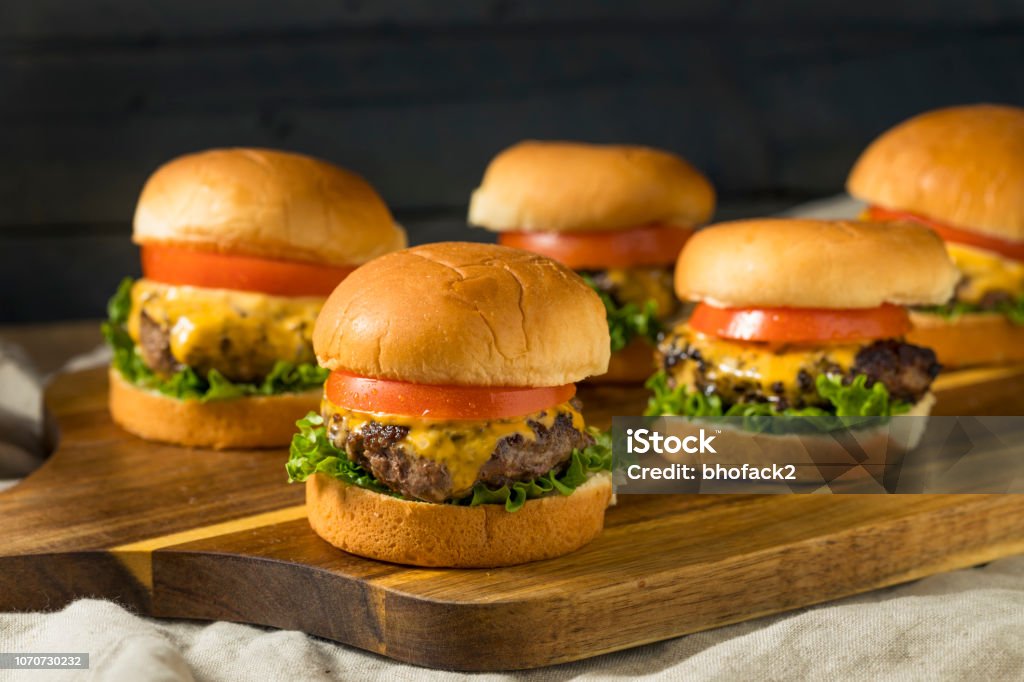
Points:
(592, 459)
(312, 452)
(187, 384)
(628, 320)
(853, 400)
(856, 399)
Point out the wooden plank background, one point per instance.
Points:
(773, 100)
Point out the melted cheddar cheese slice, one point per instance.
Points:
(735, 367)
(985, 271)
(241, 334)
(463, 446)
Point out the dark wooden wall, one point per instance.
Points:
(773, 99)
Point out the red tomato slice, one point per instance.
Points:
(1008, 249)
(180, 265)
(798, 325)
(364, 394)
(643, 246)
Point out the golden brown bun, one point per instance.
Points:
(574, 187)
(969, 340)
(631, 365)
(775, 262)
(258, 422)
(962, 165)
(259, 202)
(423, 534)
(467, 314)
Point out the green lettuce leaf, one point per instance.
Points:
(856, 400)
(312, 452)
(678, 401)
(594, 458)
(627, 321)
(1013, 310)
(120, 304)
(187, 384)
(848, 401)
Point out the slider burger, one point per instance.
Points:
(960, 172)
(618, 215)
(802, 318)
(449, 434)
(240, 248)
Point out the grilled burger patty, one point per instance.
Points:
(785, 375)
(240, 334)
(387, 451)
(155, 346)
(903, 368)
(637, 286)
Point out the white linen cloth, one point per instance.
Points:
(963, 625)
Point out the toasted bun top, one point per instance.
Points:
(464, 314)
(573, 187)
(260, 202)
(962, 165)
(815, 264)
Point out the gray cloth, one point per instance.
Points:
(963, 625)
(27, 432)
(23, 438)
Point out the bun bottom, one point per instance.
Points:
(387, 528)
(631, 365)
(969, 340)
(255, 422)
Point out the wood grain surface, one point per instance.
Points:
(183, 533)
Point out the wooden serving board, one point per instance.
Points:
(183, 533)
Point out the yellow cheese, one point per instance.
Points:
(241, 334)
(463, 446)
(732, 364)
(985, 271)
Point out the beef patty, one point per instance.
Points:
(378, 447)
(904, 369)
(155, 347)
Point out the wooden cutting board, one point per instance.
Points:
(182, 533)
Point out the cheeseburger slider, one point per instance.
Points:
(618, 215)
(802, 318)
(959, 171)
(240, 247)
(449, 434)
